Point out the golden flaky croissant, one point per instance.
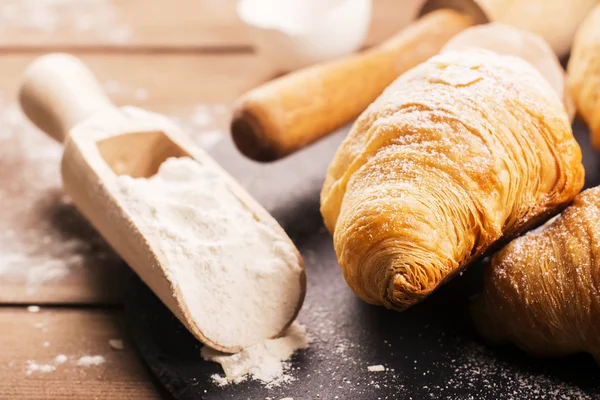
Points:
(584, 73)
(542, 291)
(457, 153)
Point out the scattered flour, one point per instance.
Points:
(238, 276)
(38, 269)
(203, 122)
(88, 361)
(33, 366)
(116, 344)
(46, 344)
(479, 371)
(96, 18)
(85, 361)
(60, 359)
(35, 249)
(266, 362)
(219, 380)
(33, 309)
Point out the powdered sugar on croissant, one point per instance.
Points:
(542, 291)
(459, 152)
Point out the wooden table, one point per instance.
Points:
(186, 58)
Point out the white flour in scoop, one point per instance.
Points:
(239, 278)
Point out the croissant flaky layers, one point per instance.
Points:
(459, 152)
(542, 291)
(584, 73)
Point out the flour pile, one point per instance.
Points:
(266, 362)
(240, 278)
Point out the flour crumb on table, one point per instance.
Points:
(96, 19)
(376, 368)
(60, 359)
(116, 344)
(33, 309)
(88, 361)
(33, 366)
(266, 362)
(219, 380)
(239, 277)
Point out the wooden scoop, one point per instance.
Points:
(61, 96)
(288, 113)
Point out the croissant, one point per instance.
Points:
(459, 152)
(583, 73)
(542, 291)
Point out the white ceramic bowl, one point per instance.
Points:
(296, 33)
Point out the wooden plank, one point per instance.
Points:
(31, 343)
(48, 252)
(166, 24)
(120, 23)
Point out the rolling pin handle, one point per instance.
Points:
(58, 91)
(293, 111)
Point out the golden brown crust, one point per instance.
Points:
(458, 152)
(506, 39)
(583, 73)
(542, 291)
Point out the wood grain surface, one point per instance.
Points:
(188, 59)
(30, 339)
(164, 25)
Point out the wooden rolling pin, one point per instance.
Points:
(106, 146)
(288, 113)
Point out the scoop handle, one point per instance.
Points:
(286, 114)
(58, 91)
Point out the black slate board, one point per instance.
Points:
(430, 351)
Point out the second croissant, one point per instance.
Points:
(462, 151)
